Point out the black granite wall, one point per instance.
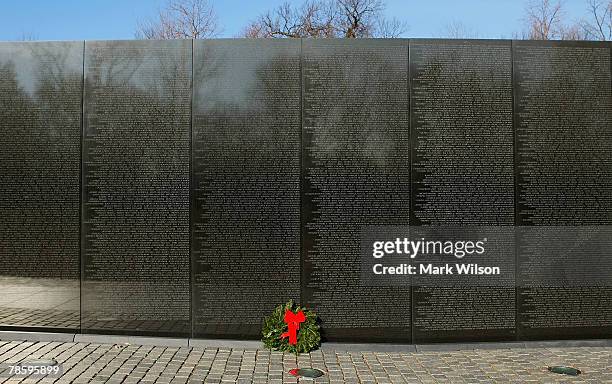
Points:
(245, 182)
(356, 173)
(216, 179)
(40, 138)
(136, 137)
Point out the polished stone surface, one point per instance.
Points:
(246, 183)
(136, 140)
(463, 175)
(40, 129)
(39, 303)
(563, 112)
(356, 173)
(204, 205)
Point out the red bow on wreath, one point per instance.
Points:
(293, 321)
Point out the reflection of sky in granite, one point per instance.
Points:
(138, 65)
(233, 86)
(63, 58)
(24, 70)
(221, 89)
(43, 189)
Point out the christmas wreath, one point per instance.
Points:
(291, 328)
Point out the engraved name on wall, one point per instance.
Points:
(462, 174)
(246, 183)
(136, 186)
(356, 173)
(40, 130)
(563, 112)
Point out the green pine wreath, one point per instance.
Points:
(308, 336)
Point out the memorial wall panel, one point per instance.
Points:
(463, 175)
(356, 173)
(136, 145)
(563, 111)
(40, 130)
(246, 183)
(206, 205)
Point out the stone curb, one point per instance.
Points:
(37, 336)
(326, 347)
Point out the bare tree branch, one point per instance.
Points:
(599, 26)
(181, 19)
(390, 28)
(545, 21)
(312, 19)
(543, 18)
(571, 32)
(28, 36)
(458, 30)
(326, 18)
(359, 17)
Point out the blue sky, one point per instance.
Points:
(117, 19)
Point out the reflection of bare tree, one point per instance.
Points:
(246, 144)
(136, 172)
(40, 117)
(112, 63)
(356, 171)
(358, 83)
(140, 66)
(41, 129)
(54, 65)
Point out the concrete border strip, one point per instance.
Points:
(326, 347)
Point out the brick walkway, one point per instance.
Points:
(108, 363)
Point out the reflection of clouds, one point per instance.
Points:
(378, 148)
(353, 102)
(233, 78)
(34, 62)
(570, 256)
(39, 164)
(229, 81)
(24, 71)
(228, 86)
(143, 66)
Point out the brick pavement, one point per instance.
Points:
(113, 363)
